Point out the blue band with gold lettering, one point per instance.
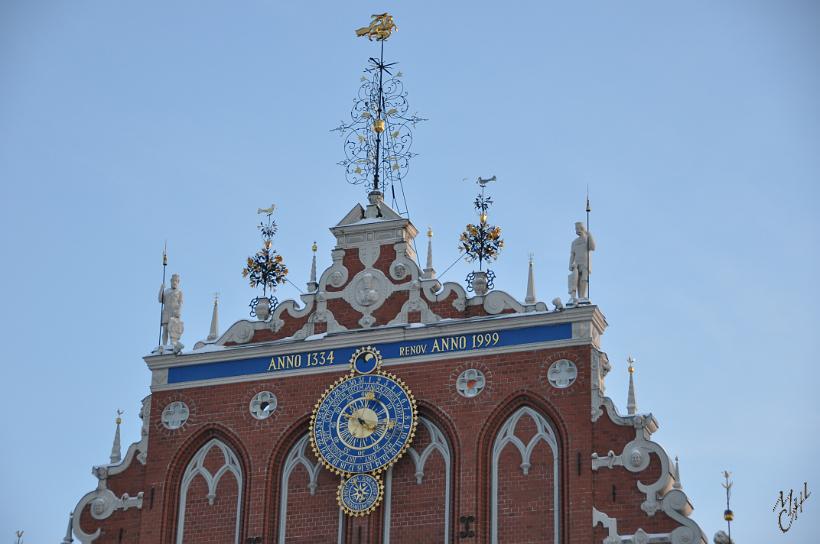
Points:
(305, 360)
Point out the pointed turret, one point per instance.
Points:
(214, 332)
(677, 474)
(68, 538)
(429, 272)
(631, 406)
(530, 298)
(116, 455)
(312, 285)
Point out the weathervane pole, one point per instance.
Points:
(728, 515)
(162, 298)
(379, 127)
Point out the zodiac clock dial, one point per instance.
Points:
(360, 494)
(363, 422)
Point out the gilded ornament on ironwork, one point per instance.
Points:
(266, 268)
(378, 136)
(379, 28)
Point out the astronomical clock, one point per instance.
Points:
(363, 424)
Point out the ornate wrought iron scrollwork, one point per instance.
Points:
(378, 136)
(273, 303)
(489, 274)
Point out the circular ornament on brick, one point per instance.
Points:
(174, 415)
(470, 383)
(562, 373)
(360, 494)
(263, 404)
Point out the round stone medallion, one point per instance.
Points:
(263, 404)
(174, 415)
(562, 373)
(470, 383)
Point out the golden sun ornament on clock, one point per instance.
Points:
(362, 424)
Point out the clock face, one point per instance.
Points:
(364, 423)
(360, 494)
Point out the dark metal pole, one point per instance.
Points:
(162, 297)
(379, 116)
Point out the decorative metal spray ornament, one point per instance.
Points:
(265, 269)
(378, 136)
(481, 242)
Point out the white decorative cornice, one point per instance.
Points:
(409, 332)
(103, 501)
(639, 537)
(664, 494)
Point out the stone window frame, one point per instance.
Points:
(506, 436)
(438, 443)
(196, 468)
(298, 455)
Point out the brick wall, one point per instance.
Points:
(470, 427)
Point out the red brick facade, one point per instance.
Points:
(455, 480)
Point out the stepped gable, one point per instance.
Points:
(373, 281)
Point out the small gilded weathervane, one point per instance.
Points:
(265, 269)
(378, 136)
(481, 242)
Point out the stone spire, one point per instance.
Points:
(116, 455)
(68, 539)
(631, 406)
(429, 272)
(677, 474)
(312, 285)
(214, 332)
(530, 298)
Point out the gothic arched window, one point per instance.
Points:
(310, 491)
(525, 471)
(428, 464)
(211, 489)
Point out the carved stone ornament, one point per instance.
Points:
(562, 373)
(263, 404)
(470, 383)
(175, 415)
(368, 289)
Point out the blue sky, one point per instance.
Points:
(696, 126)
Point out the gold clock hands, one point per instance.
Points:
(389, 423)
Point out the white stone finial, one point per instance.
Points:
(116, 450)
(677, 475)
(312, 283)
(213, 334)
(68, 538)
(580, 265)
(631, 405)
(530, 298)
(429, 272)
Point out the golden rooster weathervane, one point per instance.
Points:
(380, 27)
